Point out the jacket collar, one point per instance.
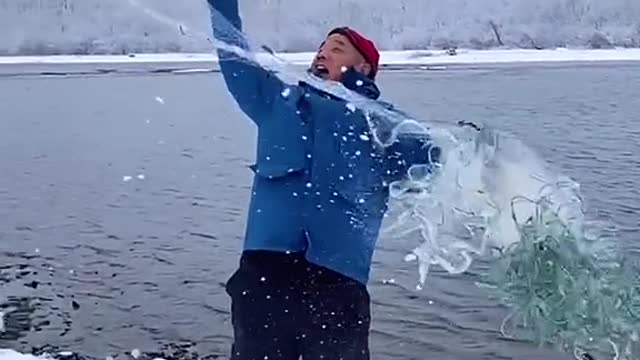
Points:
(358, 82)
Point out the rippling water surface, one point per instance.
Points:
(121, 216)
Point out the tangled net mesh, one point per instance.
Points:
(564, 277)
(574, 292)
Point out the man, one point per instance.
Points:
(319, 194)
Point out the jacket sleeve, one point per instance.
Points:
(407, 150)
(253, 87)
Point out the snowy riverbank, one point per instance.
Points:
(391, 58)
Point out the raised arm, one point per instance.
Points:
(253, 87)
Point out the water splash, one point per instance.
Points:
(465, 209)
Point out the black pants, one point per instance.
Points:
(283, 307)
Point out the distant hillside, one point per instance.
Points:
(115, 26)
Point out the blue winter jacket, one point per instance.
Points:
(320, 184)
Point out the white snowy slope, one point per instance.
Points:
(387, 57)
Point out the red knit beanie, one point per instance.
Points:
(365, 46)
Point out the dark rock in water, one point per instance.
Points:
(175, 351)
(67, 355)
(75, 305)
(587, 356)
(55, 352)
(181, 351)
(33, 284)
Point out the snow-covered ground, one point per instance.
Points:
(6, 354)
(416, 57)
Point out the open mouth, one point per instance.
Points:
(320, 70)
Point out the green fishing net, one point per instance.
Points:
(576, 292)
(565, 278)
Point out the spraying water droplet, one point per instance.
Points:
(286, 92)
(410, 257)
(160, 100)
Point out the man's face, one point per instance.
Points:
(335, 55)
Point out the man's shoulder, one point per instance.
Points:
(387, 105)
(394, 112)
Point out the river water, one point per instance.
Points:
(123, 199)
